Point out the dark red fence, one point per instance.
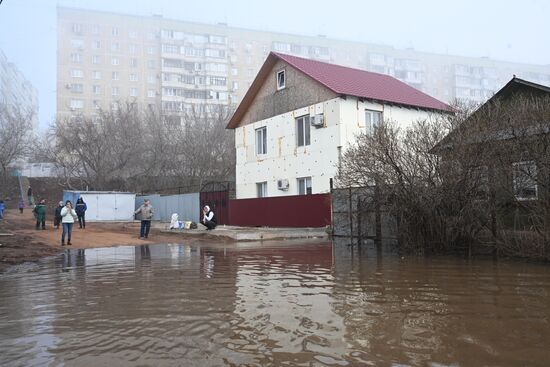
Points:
(281, 211)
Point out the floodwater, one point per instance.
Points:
(272, 304)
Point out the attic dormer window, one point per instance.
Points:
(281, 80)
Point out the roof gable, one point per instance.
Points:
(343, 81)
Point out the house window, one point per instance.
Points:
(261, 140)
(115, 61)
(302, 130)
(133, 62)
(151, 93)
(114, 75)
(304, 186)
(133, 92)
(76, 57)
(77, 73)
(373, 119)
(133, 77)
(96, 44)
(114, 31)
(96, 59)
(114, 91)
(281, 80)
(77, 88)
(525, 180)
(96, 74)
(261, 189)
(96, 89)
(77, 104)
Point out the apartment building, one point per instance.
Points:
(16, 90)
(105, 59)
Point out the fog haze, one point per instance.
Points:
(516, 31)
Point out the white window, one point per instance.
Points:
(77, 88)
(76, 57)
(132, 49)
(150, 35)
(525, 180)
(281, 80)
(133, 62)
(304, 186)
(114, 91)
(134, 77)
(234, 71)
(95, 29)
(151, 64)
(151, 79)
(133, 34)
(77, 28)
(261, 189)
(133, 92)
(96, 74)
(235, 85)
(77, 104)
(96, 89)
(77, 73)
(96, 44)
(115, 61)
(114, 31)
(373, 119)
(303, 131)
(151, 93)
(151, 50)
(261, 140)
(114, 75)
(96, 59)
(77, 43)
(115, 46)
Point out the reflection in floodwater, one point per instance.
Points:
(272, 304)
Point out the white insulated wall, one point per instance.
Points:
(344, 120)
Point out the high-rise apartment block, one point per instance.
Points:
(16, 91)
(105, 59)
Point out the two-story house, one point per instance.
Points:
(300, 115)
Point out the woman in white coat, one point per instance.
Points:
(68, 216)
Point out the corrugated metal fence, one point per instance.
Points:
(187, 206)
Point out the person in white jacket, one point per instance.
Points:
(68, 216)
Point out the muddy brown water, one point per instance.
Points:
(272, 304)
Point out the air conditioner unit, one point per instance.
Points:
(317, 120)
(282, 184)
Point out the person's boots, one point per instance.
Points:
(69, 243)
(62, 243)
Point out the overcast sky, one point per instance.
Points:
(507, 29)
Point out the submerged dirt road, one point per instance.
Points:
(28, 244)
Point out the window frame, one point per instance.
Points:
(371, 126)
(261, 133)
(261, 189)
(303, 183)
(306, 138)
(515, 185)
(283, 73)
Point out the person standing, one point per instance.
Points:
(80, 209)
(29, 195)
(57, 215)
(146, 214)
(68, 216)
(2, 208)
(208, 218)
(21, 205)
(40, 214)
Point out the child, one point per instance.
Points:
(21, 205)
(2, 207)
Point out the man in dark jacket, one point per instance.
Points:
(57, 216)
(40, 214)
(80, 210)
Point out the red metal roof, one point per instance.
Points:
(344, 81)
(364, 84)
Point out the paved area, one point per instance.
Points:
(247, 233)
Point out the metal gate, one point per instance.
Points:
(216, 196)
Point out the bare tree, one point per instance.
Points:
(15, 135)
